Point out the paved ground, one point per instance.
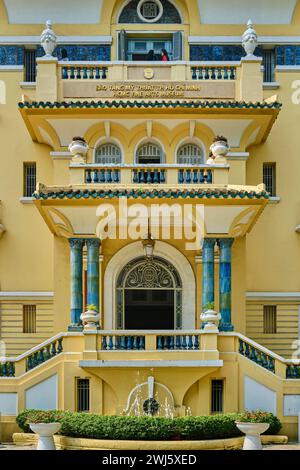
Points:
(277, 447)
(14, 447)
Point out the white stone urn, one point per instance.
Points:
(90, 319)
(78, 148)
(250, 40)
(220, 150)
(48, 40)
(45, 431)
(211, 318)
(253, 431)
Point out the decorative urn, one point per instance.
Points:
(78, 148)
(45, 432)
(48, 40)
(250, 40)
(90, 318)
(210, 318)
(220, 149)
(252, 431)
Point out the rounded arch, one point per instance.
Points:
(168, 12)
(190, 151)
(108, 150)
(164, 251)
(149, 151)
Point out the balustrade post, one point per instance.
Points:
(225, 245)
(76, 245)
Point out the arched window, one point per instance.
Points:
(149, 153)
(107, 154)
(190, 154)
(150, 11)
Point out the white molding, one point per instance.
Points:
(271, 85)
(238, 156)
(151, 363)
(276, 40)
(61, 155)
(287, 68)
(4, 294)
(26, 200)
(28, 85)
(22, 40)
(273, 296)
(274, 200)
(11, 68)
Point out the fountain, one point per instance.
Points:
(150, 399)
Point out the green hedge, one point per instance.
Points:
(146, 428)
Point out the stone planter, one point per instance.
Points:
(253, 431)
(211, 319)
(45, 432)
(220, 149)
(90, 319)
(78, 149)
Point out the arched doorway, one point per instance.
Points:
(149, 296)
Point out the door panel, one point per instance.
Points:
(149, 309)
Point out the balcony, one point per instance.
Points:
(58, 81)
(137, 175)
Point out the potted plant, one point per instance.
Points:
(210, 317)
(45, 424)
(78, 148)
(90, 318)
(220, 149)
(252, 424)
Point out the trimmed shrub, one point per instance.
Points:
(147, 428)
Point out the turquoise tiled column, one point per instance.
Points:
(93, 246)
(225, 245)
(76, 245)
(208, 271)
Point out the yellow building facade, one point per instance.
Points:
(149, 207)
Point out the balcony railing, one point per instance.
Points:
(14, 366)
(148, 174)
(213, 72)
(176, 70)
(179, 340)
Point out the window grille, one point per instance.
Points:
(217, 390)
(108, 154)
(29, 318)
(29, 179)
(190, 154)
(270, 319)
(269, 65)
(269, 177)
(149, 153)
(83, 395)
(30, 65)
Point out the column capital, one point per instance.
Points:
(225, 242)
(209, 242)
(96, 242)
(76, 242)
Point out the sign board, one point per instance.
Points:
(145, 90)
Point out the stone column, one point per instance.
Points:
(225, 245)
(208, 271)
(93, 245)
(76, 245)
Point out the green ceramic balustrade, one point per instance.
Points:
(44, 354)
(256, 355)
